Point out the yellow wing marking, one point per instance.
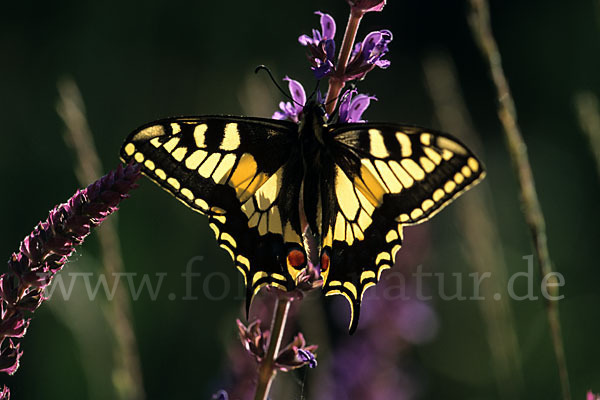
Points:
(208, 166)
(150, 165)
(260, 208)
(290, 236)
(224, 168)
(405, 145)
(449, 187)
(231, 138)
(473, 164)
(195, 159)
(200, 135)
(390, 180)
(175, 128)
(427, 164)
(160, 173)
(450, 145)
(369, 183)
(174, 182)
(413, 169)
(187, 193)
(171, 144)
(129, 149)
(149, 133)
(179, 153)
(377, 146)
(426, 138)
(433, 155)
(405, 179)
(346, 197)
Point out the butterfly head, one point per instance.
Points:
(313, 119)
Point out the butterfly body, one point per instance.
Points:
(261, 182)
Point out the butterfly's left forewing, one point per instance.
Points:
(386, 176)
(242, 174)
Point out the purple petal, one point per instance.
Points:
(220, 395)
(327, 25)
(278, 115)
(305, 40)
(383, 64)
(297, 92)
(317, 37)
(356, 49)
(345, 104)
(290, 109)
(371, 40)
(329, 47)
(387, 33)
(307, 357)
(323, 69)
(358, 106)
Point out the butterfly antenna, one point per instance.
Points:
(268, 71)
(314, 92)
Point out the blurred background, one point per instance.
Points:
(135, 62)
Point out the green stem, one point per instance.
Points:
(266, 370)
(336, 82)
(481, 27)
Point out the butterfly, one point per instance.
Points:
(261, 181)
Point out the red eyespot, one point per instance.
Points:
(296, 258)
(324, 262)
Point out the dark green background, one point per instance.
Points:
(138, 61)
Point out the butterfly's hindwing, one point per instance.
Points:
(386, 176)
(239, 172)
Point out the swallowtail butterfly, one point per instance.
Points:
(357, 185)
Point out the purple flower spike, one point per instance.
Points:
(591, 396)
(46, 250)
(321, 46)
(352, 107)
(369, 54)
(291, 110)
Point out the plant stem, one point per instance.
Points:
(586, 104)
(336, 82)
(479, 19)
(127, 373)
(266, 370)
(480, 228)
